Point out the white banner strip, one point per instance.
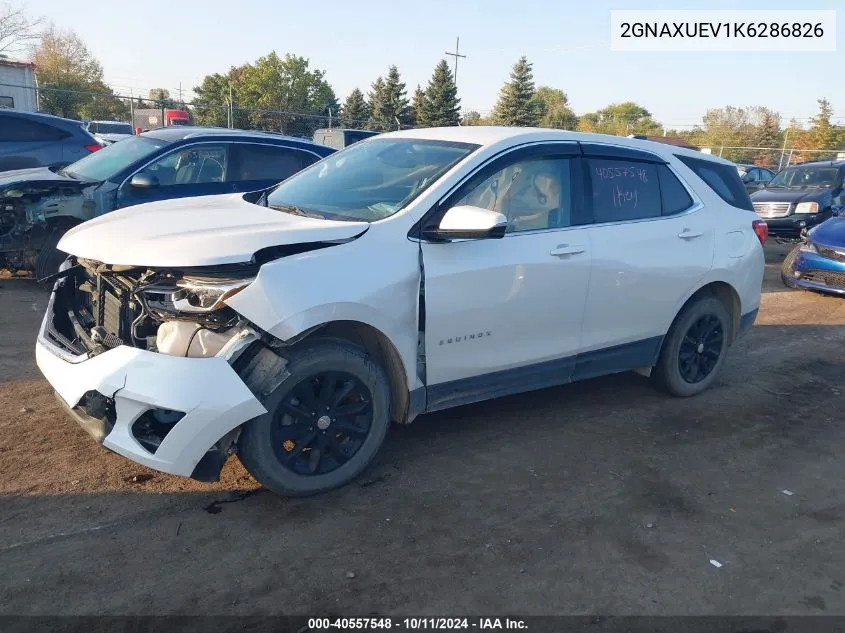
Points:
(739, 31)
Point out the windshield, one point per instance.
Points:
(110, 128)
(801, 177)
(370, 180)
(112, 159)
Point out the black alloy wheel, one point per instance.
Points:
(700, 349)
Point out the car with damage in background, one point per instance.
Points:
(410, 272)
(800, 197)
(38, 205)
(108, 132)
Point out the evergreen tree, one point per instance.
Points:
(516, 105)
(767, 134)
(376, 104)
(417, 106)
(822, 133)
(441, 106)
(396, 104)
(355, 110)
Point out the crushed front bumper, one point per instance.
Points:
(110, 392)
(812, 271)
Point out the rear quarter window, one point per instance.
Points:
(21, 129)
(722, 179)
(673, 194)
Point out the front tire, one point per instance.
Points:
(786, 269)
(324, 423)
(49, 257)
(694, 349)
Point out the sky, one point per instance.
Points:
(158, 43)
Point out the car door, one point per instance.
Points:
(199, 169)
(651, 245)
(504, 315)
(257, 166)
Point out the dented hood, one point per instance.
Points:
(203, 231)
(34, 178)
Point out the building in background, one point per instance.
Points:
(18, 88)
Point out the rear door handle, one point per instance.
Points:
(688, 234)
(566, 249)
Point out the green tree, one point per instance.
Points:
(766, 132)
(417, 106)
(70, 78)
(160, 98)
(472, 118)
(516, 105)
(553, 109)
(355, 111)
(440, 106)
(620, 119)
(285, 94)
(211, 104)
(822, 132)
(375, 105)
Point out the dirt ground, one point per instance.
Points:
(599, 497)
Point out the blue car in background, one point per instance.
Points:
(818, 263)
(38, 205)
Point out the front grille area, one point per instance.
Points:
(830, 253)
(824, 277)
(772, 209)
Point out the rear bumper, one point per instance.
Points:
(108, 393)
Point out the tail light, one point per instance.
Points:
(93, 147)
(762, 231)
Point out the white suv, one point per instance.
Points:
(408, 273)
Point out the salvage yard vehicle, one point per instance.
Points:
(30, 139)
(818, 262)
(38, 205)
(408, 273)
(340, 138)
(801, 197)
(108, 132)
(754, 177)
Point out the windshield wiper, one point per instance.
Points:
(294, 210)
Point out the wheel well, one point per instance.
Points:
(377, 345)
(727, 295)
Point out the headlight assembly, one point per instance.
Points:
(807, 207)
(196, 295)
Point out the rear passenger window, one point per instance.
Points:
(722, 179)
(623, 190)
(21, 129)
(269, 162)
(673, 194)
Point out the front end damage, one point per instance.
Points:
(31, 211)
(154, 364)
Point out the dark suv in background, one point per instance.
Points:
(801, 196)
(28, 139)
(754, 177)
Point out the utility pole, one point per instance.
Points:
(181, 103)
(783, 151)
(456, 55)
(231, 108)
(132, 111)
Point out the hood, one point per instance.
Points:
(202, 231)
(33, 177)
(830, 233)
(790, 195)
(112, 138)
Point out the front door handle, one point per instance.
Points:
(688, 234)
(566, 249)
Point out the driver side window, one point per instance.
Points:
(533, 194)
(191, 165)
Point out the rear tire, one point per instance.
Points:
(49, 257)
(324, 423)
(694, 349)
(786, 268)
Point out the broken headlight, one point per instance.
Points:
(195, 294)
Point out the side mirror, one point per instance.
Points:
(468, 223)
(144, 181)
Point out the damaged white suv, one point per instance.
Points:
(410, 272)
